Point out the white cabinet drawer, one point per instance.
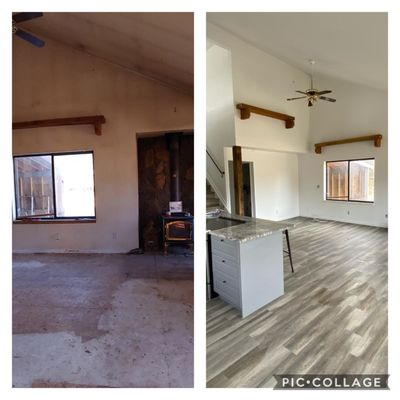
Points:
(231, 257)
(224, 246)
(228, 298)
(226, 284)
(225, 265)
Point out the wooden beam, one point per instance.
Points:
(238, 179)
(246, 110)
(95, 120)
(377, 139)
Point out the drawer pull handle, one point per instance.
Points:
(222, 240)
(223, 281)
(223, 261)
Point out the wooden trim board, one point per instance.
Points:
(376, 138)
(95, 120)
(54, 221)
(246, 110)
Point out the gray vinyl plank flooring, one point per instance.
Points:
(332, 318)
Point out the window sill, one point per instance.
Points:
(350, 202)
(55, 221)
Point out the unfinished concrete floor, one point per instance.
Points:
(84, 320)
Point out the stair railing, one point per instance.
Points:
(215, 163)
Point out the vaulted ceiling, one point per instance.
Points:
(157, 45)
(348, 46)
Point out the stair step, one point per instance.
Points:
(213, 200)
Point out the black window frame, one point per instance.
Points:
(55, 217)
(348, 200)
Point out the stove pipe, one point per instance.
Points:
(174, 142)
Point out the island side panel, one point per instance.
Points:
(261, 262)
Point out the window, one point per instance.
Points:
(54, 186)
(350, 180)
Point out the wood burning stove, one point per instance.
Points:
(177, 230)
(177, 226)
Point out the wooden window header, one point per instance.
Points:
(95, 120)
(376, 138)
(246, 110)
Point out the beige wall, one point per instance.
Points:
(56, 81)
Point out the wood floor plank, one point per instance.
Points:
(332, 318)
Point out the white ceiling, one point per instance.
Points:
(158, 45)
(348, 46)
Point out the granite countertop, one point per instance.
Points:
(252, 228)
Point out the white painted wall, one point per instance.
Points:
(220, 114)
(359, 111)
(276, 180)
(262, 80)
(56, 81)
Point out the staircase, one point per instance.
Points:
(213, 201)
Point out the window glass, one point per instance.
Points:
(54, 186)
(337, 176)
(33, 186)
(362, 180)
(350, 180)
(74, 186)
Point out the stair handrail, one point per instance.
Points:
(215, 163)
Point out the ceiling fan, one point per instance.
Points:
(313, 94)
(26, 16)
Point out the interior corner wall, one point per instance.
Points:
(57, 81)
(265, 81)
(220, 115)
(359, 111)
(262, 80)
(276, 180)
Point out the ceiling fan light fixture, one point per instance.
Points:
(26, 16)
(313, 94)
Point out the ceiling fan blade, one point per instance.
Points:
(324, 92)
(29, 38)
(26, 16)
(295, 98)
(299, 91)
(327, 99)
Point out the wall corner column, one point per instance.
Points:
(238, 179)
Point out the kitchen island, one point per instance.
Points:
(246, 260)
